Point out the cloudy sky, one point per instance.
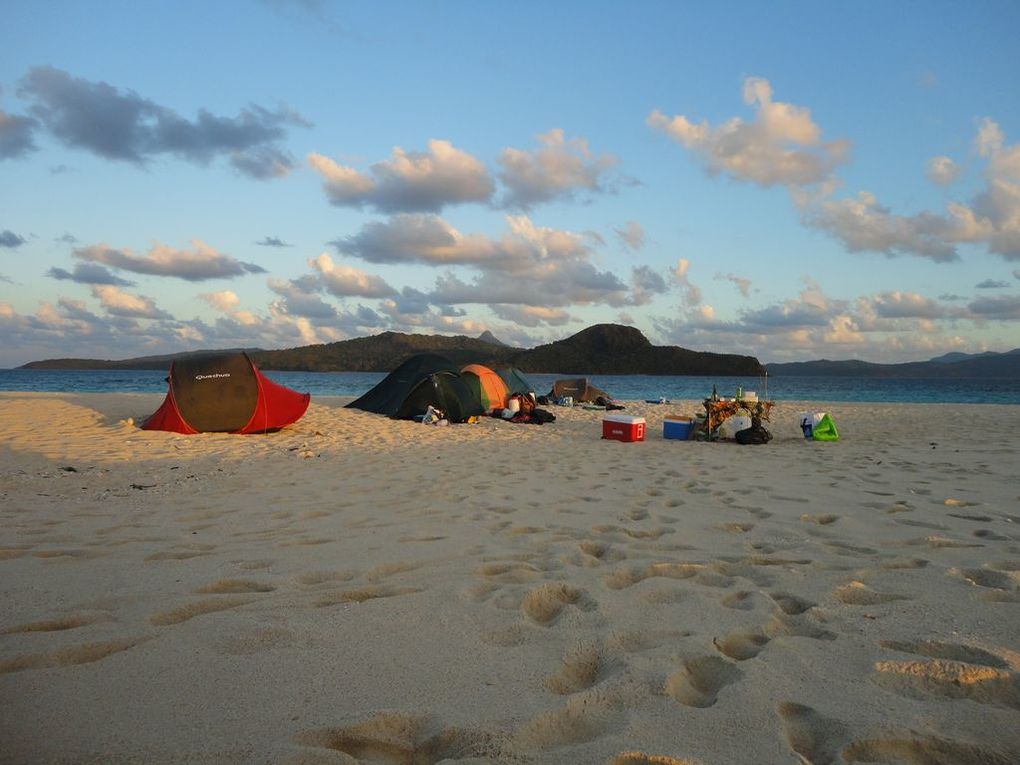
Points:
(791, 180)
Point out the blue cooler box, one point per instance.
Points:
(678, 428)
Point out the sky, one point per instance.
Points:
(789, 180)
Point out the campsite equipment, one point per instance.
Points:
(825, 429)
(224, 393)
(729, 427)
(490, 388)
(578, 389)
(818, 426)
(623, 427)
(566, 401)
(756, 434)
(806, 426)
(424, 380)
(677, 427)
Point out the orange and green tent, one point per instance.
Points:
(491, 389)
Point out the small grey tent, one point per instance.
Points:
(578, 389)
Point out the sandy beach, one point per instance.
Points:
(359, 590)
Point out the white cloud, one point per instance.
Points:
(897, 305)
(556, 170)
(300, 298)
(532, 315)
(781, 146)
(199, 263)
(120, 303)
(344, 281)
(742, 284)
(222, 301)
(862, 224)
(409, 181)
(942, 171)
(408, 238)
(632, 235)
(991, 218)
(691, 294)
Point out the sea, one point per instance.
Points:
(620, 387)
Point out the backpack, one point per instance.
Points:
(527, 404)
(753, 435)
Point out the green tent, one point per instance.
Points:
(515, 380)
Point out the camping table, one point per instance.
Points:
(718, 411)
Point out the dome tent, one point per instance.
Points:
(487, 385)
(224, 393)
(424, 380)
(579, 389)
(515, 380)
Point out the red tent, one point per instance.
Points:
(224, 393)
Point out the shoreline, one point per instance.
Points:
(353, 587)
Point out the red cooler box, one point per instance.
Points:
(623, 427)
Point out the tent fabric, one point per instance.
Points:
(579, 389)
(224, 393)
(825, 430)
(487, 385)
(515, 380)
(424, 380)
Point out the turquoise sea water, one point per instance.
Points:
(622, 387)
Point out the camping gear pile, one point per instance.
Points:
(429, 388)
(224, 393)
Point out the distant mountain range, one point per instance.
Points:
(606, 349)
(600, 349)
(950, 365)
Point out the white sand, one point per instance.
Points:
(354, 589)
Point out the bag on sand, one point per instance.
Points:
(825, 429)
(756, 434)
(542, 416)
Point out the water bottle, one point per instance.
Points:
(740, 393)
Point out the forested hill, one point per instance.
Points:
(951, 366)
(600, 349)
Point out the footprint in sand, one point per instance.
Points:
(544, 603)
(813, 737)
(918, 749)
(822, 520)
(234, 586)
(191, 610)
(78, 654)
(781, 625)
(396, 737)
(52, 625)
(859, 594)
(581, 667)
(791, 605)
(585, 717)
(949, 680)
(741, 645)
(952, 651)
(982, 577)
(699, 681)
(640, 758)
(741, 601)
(508, 573)
(361, 594)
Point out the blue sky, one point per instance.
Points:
(788, 180)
